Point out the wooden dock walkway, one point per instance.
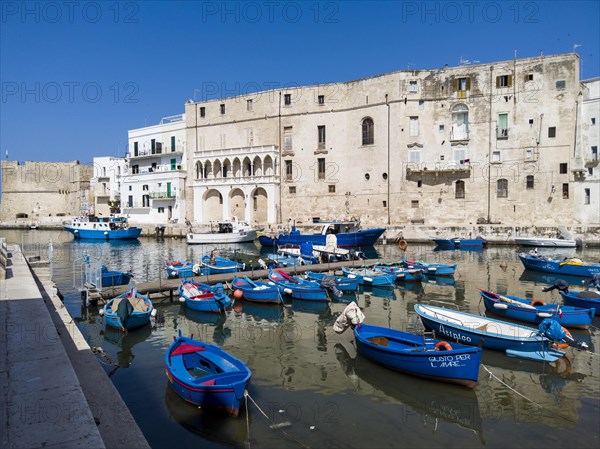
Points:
(169, 286)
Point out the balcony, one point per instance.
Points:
(240, 152)
(502, 134)
(452, 169)
(162, 195)
(155, 170)
(458, 135)
(158, 152)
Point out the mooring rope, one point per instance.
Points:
(522, 395)
(273, 424)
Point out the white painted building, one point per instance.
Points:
(106, 185)
(154, 182)
(586, 166)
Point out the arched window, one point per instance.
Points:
(459, 191)
(368, 131)
(199, 173)
(460, 122)
(502, 188)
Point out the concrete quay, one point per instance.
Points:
(54, 393)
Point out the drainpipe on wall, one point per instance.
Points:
(490, 151)
(389, 206)
(278, 205)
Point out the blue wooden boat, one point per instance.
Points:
(348, 235)
(178, 269)
(419, 356)
(213, 264)
(203, 297)
(430, 269)
(284, 260)
(206, 376)
(537, 310)
(367, 276)
(297, 288)
(128, 311)
(342, 283)
(257, 291)
(110, 278)
(514, 339)
(567, 266)
(460, 243)
(102, 228)
(584, 298)
(402, 274)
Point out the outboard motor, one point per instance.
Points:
(552, 330)
(328, 283)
(351, 316)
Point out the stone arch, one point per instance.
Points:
(268, 166)
(227, 168)
(246, 167)
(212, 205)
(257, 167)
(207, 169)
(237, 168)
(199, 170)
(259, 203)
(217, 168)
(237, 204)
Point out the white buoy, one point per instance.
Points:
(153, 313)
(181, 299)
(368, 279)
(101, 312)
(500, 306)
(544, 314)
(287, 291)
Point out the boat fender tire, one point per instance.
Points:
(403, 244)
(564, 366)
(443, 346)
(564, 345)
(537, 302)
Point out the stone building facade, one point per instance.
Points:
(458, 145)
(36, 190)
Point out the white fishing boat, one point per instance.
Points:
(546, 242)
(226, 231)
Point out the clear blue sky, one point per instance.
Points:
(76, 76)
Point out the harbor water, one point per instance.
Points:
(309, 386)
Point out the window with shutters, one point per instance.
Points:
(460, 122)
(504, 81)
(502, 188)
(321, 135)
(461, 86)
(288, 171)
(502, 126)
(459, 191)
(414, 127)
(287, 140)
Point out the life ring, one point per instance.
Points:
(443, 346)
(564, 345)
(352, 218)
(537, 302)
(568, 367)
(403, 244)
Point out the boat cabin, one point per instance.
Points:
(338, 227)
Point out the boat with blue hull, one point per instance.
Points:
(102, 228)
(128, 311)
(181, 269)
(420, 356)
(567, 266)
(297, 288)
(203, 297)
(460, 243)
(514, 339)
(112, 277)
(342, 283)
(402, 274)
(430, 269)
(206, 376)
(535, 311)
(582, 298)
(257, 291)
(348, 235)
(214, 264)
(368, 276)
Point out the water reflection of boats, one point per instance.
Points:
(538, 277)
(220, 332)
(435, 400)
(382, 292)
(261, 311)
(209, 425)
(440, 280)
(126, 341)
(478, 249)
(318, 307)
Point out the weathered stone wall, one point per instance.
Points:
(42, 189)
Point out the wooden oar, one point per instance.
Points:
(250, 281)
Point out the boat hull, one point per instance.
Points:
(342, 283)
(133, 321)
(92, 234)
(110, 278)
(260, 292)
(576, 299)
(405, 352)
(305, 290)
(374, 279)
(572, 317)
(367, 237)
(494, 334)
(208, 238)
(459, 243)
(557, 267)
(545, 242)
(202, 298)
(218, 388)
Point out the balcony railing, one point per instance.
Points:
(459, 135)
(157, 169)
(238, 151)
(162, 195)
(433, 167)
(158, 152)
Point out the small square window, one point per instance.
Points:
(332, 188)
(419, 183)
(563, 168)
(287, 99)
(441, 128)
(593, 120)
(222, 109)
(530, 181)
(531, 121)
(529, 77)
(496, 156)
(292, 190)
(421, 104)
(552, 131)
(413, 86)
(565, 191)
(203, 112)
(561, 85)
(591, 170)
(249, 105)
(414, 204)
(385, 204)
(321, 100)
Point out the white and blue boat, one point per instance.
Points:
(367, 276)
(297, 288)
(102, 228)
(128, 311)
(516, 340)
(203, 297)
(113, 277)
(567, 266)
(589, 299)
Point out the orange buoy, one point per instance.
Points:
(537, 302)
(443, 346)
(238, 294)
(403, 244)
(564, 345)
